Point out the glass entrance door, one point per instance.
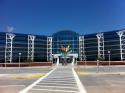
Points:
(65, 60)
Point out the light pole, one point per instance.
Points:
(109, 59)
(52, 59)
(5, 64)
(85, 62)
(19, 59)
(97, 65)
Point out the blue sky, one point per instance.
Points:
(49, 16)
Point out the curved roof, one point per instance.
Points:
(65, 32)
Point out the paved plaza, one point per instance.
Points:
(14, 79)
(103, 79)
(63, 79)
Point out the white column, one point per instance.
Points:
(73, 61)
(8, 47)
(100, 38)
(57, 61)
(121, 35)
(81, 48)
(30, 55)
(49, 48)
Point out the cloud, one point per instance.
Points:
(10, 29)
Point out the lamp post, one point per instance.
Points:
(5, 64)
(52, 59)
(19, 59)
(85, 62)
(109, 59)
(97, 65)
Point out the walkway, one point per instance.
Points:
(62, 79)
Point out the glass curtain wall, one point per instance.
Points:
(65, 38)
(20, 45)
(62, 38)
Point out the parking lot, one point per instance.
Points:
(95, 79)
(13, 80)
(102, 79)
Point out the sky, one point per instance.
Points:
(46, 17)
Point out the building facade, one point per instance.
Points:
(41, 48)
(31, 47)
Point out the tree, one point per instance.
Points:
(65, 51)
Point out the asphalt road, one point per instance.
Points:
(102, 69)
(13, 80)
(104, 80)
(104, 83)
(15, 70)
(101, 80)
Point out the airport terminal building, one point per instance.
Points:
(43, 48)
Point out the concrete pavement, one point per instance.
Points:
(13, 80)
(103, 80)
(62, 79)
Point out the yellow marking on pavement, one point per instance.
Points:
(84, 73)
(89, 67)
(86, 66)
(28, 76)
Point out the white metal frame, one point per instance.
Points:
(121, 35)
(8, 47)
(74, 55)
(100, 38)
(30, 55)
(82, 55)
(49, 48)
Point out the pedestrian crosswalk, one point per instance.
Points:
(61, 80)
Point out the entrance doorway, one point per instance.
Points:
(70, 58)
(65, 60)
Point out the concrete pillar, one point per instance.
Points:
(73, 61)
(57, 61)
